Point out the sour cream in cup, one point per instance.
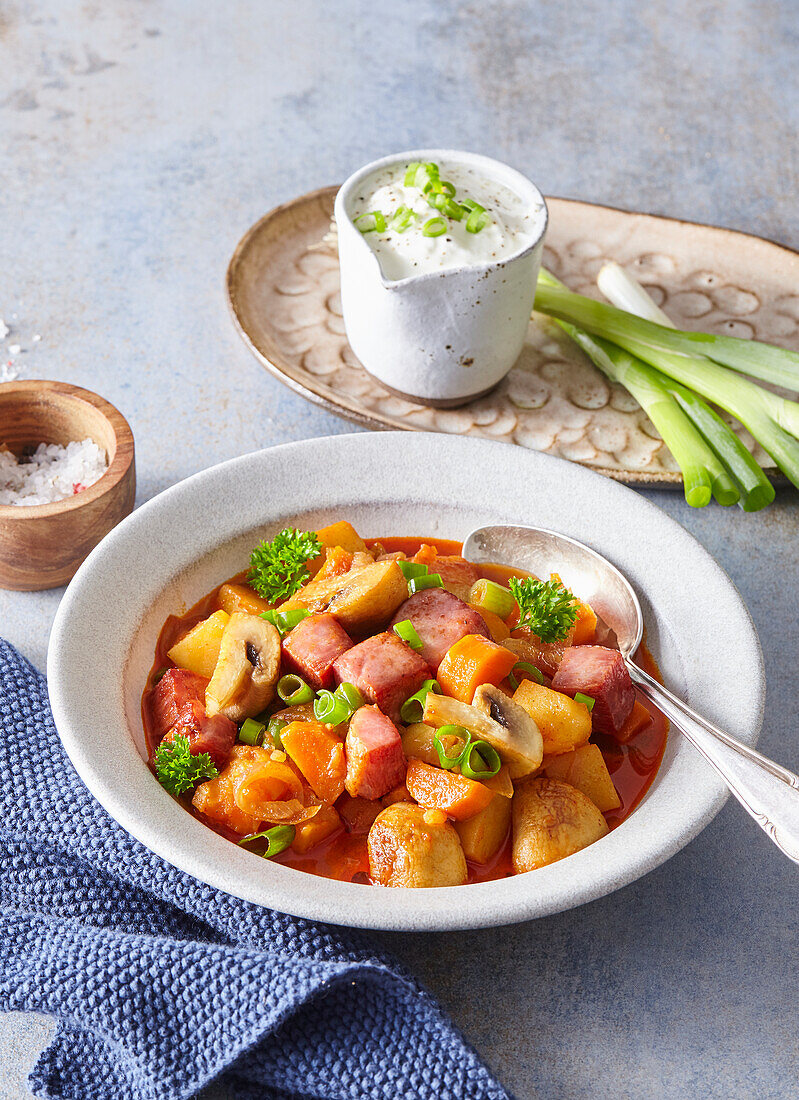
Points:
(439, 253)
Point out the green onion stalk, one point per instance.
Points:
(771, 419)
(703, 473)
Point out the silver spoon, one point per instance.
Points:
(767, 791)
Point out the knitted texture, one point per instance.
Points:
(161, 984)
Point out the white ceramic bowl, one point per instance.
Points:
(179, 545)
(443, 337)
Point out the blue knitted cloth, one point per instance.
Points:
(161, 984)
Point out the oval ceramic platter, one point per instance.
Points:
(283, 290)
(103, 639)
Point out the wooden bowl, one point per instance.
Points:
(41, 546)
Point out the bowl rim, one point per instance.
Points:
(499, 169)
(733, 695)
(117, 468)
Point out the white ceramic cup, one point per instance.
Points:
(443, 337)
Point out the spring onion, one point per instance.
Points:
(370, 222)
(293, 690)
(531, 670)
(476, 221)
(449, 760)
(273, 730)
(756, 491)
(586, 700)
(480, 761)
(402, 218)
(487, 595)
(411, 569)
(285, 620)
(410, 173)
(407, 632)
(277, 839)
(351, 695)
(440, 187)
(412, 709)
(252, 732)
(336, 707)
(703, 473)
(434, 227)
(764, 361)
(447, 206)
(429, 580)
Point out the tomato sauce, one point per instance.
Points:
(632, 763)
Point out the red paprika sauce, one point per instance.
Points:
(632, 761)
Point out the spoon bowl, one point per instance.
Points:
(767, 791)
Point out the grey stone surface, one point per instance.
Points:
(140, 141)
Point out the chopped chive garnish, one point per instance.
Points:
(531, 670)
(277, 839)
(411, 569)
(447, 206)
(273, 731)
(490, 596)
(407, 632)
(449, 760)
(429, 580)
(252, 732)
(434, 227)
(480, 761)
(413, 708)
(293, 690)
(586, 700)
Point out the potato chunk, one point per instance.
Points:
(484, 834)
(407, 848)
(564, 723)
(586, 770)
(551, 820)
(198, 651)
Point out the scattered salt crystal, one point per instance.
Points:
(51, 473)
(4, 329)
(14, 349)
(36, 337)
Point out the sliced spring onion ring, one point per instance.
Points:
(586, 700)
(410, 173)
(531, 670)
(277, 839)
(273, 732)
(331, 709)
(413, 708)
(252, 732)
(407, 632)
(452, 759)
(477, 220)
(285, 620)
(479, 753)
(351, 695)
(434, 227)
(470, 205)
(429, 580)
(373, 221)
(447, 206)
(410, 569)
(490, 596)
(402, 219)
(293, 690)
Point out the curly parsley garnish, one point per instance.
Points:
(278, 568)
(547, 608)
(178, 769)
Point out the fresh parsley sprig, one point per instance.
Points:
(178, 769)
(547, 608)
(278, 568)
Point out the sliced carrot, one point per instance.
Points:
(585, 623)
(319, 755)
(639, 719)
(437, 789)
(310, 833)
(425, 555)
(337, 562)
(497, 627)
(472, 661)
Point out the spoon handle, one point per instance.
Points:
(767, 791)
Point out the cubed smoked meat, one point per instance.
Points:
(385, 670)
(601, 674)
(375, 759)
(440, 619)
(312, 646)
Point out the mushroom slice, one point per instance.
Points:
(505, 725)
(247, 668)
